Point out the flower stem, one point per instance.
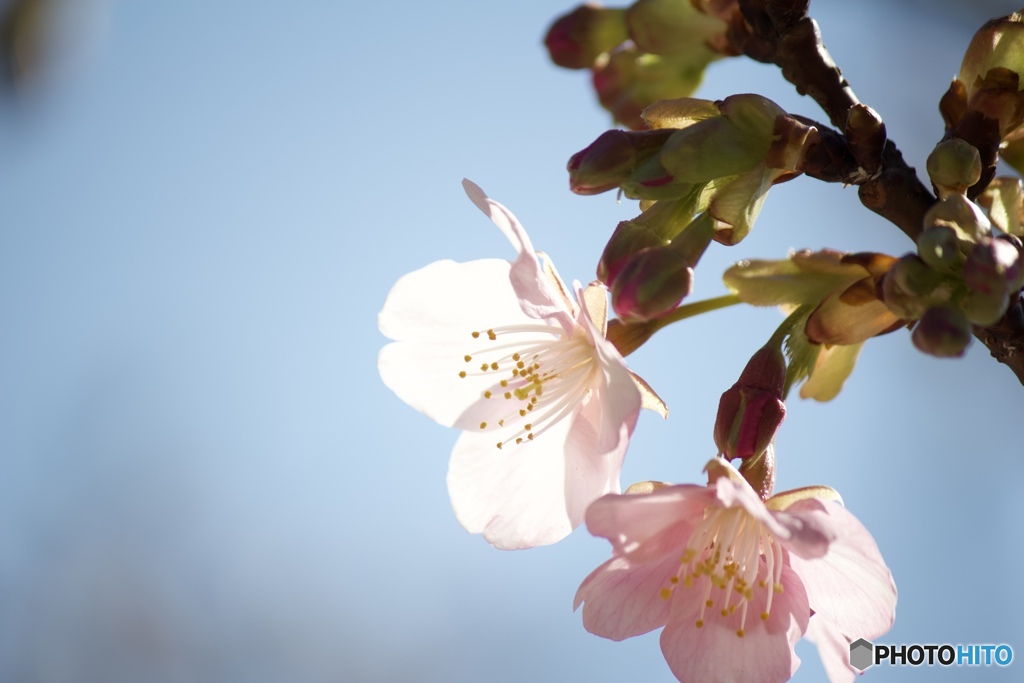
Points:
(628, 337)
(696, 308)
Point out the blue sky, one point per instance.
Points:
(201, 212)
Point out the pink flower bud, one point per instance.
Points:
(578, 38)
(751, 411)
(650, 284)
(611, 158)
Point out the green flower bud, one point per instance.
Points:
(985, 308)
(710, 149)
(961, 214)
(671, 27)
(953, 166)
(627, 81)
(911, 287)
(653, 228)
(939, 247)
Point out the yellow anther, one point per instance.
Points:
(491, 335)
(699, 623)
(522, 413)
(504, 383)
(530, 436)
(515, 373)
(725, 612)
(476, 335)
(508, 394)
(688, 555)
(674, 579)
(777, 587)
(499, 444)
(515, 356)
(528, 426)
(494, 366)
(709, 603)
(739, 633)
(484, 367)
(462, 373)
(764, 616)
(483, 425)
(487, 394)
(666, 593)
(520, 365)
(529, 407)
(519, 440)
(501, 423)
(468, 358)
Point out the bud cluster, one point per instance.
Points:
(653, 50)
(985, 103)
(703, 171)
(964, 274)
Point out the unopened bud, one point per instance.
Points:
(998, 44)
(939, 247)
(575, 40)
(943, 332)
(953, 166)
(993, 267)
(650, 284)
(751, 411)
(985, 309)
(670, 28)
(865, 136)
(961, 214)
(655, 227)
(609, 159)
(710, 149)
(911, 287)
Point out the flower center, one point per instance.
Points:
(730, 547)
(542, 374)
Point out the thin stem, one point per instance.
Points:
(628, 337)
(696, 308)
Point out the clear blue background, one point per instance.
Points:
(203, 479)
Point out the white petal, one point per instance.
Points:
(539, 295)
(447, 301)
(515, 495)
(426, 376)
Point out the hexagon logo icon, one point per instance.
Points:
(862, 654)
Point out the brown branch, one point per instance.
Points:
(780, 32)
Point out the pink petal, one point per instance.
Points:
(621, 600)
(447, 301)
(833, 648)
(802, 535)
(850, 586)
(715, 654)
(538, 294)
(646, 527)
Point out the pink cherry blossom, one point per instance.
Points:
(735, 581)
(503, 352)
